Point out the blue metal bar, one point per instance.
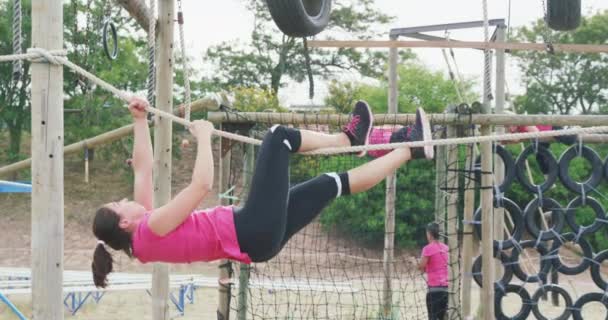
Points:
(11, 306)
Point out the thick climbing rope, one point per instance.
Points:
(455, 81)
(487, 85)
(152, 53)
(35, 54)
(17, 39)
(187, 93)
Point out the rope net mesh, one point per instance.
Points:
(334, 268)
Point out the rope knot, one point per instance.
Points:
(45, 55)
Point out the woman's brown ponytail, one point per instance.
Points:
(106, 228)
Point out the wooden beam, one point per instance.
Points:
(105, 138)
(225, 274)
(47, 166)
(512, 46)
(163, 142)
(405, 119)
(139, 11)
(452, 222)
(468, 251)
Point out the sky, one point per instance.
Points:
(229, 20)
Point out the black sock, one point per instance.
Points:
(345, 184)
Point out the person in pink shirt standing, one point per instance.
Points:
(434, 263)
(256, 232)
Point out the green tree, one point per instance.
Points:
(14, 94)
(418, 87)
(565, 83)
(268, 59)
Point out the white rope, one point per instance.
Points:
(17, 39)
(187, 93)
(152, 54)
(487, 86)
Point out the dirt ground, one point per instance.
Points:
(315, 255)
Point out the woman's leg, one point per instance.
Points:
(429, 305)
(260, 224)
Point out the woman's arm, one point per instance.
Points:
(143, 158)
(423, 262)
(168, 217)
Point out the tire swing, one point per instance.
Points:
(558, 290)
(545, 262)
(600, 215)
(596, 273)
(596, 169)
(557, 217)
(518, 223)
(563, 15)
(509, 163)
(300, 18)
(506, 277)
(523, 294)
(587, 298)
(521, 169)
(586, 260)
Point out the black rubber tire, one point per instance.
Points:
(597, 168)
(109, 27)
(596, 270)
(509, 163)
(551, 288)
(606, 168)
(526, 306)
(563, 15)
(518, 219)
(507, 276)
(522, 173)
(587, 255)
(587, 298)
(600, 214)
(557, 217)
(545, 265)
(300, 18)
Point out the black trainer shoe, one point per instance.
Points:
(420, 131)
(360, 126)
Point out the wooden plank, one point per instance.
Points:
(454, 309)
(499, 169)
(47, 165)
(468, 238)
(245, 270)
(163, 135)
(223, 311)
(405, 119)
(391, 186)
(487, 228)
(105, 138)
(513, 46)
(139, 11)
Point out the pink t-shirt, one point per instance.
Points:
(437, 266)
(541, 127)
(205, 235)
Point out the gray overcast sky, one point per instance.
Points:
(211, 22)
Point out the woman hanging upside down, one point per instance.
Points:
(272, 214)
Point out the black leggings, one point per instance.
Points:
(273, 212)
(437, 304)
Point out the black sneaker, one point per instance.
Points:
(360, 126)
(420, 131)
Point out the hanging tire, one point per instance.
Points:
(518, 221)
(600, 215)
(109, 30)
(557, 217)
(300, 18)
(596, 273)
(523, 294)
(522, 172)
(587, 298)
(563, 15)
(558, 290)
(585, 262)
(506, 277)
(545, 263)
(596, 169)
(509, 163)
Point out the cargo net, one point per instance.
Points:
(552, 252)
(334, 268)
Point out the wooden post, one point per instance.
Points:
(223, 311)
(452, 226)
(440, 181)
(468, 237)
(391, 185)
(499, 173)
(47, 164)
(248, 167)
(163, 135)
(86, 165)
